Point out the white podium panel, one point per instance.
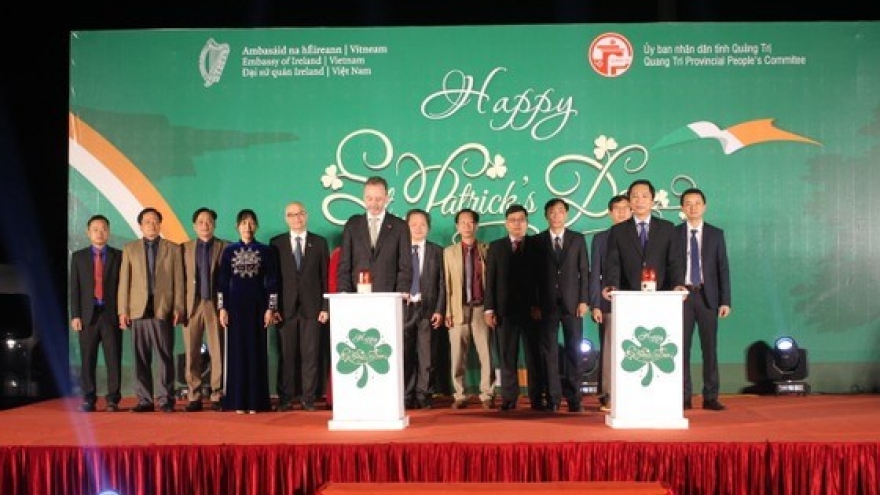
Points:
(366, 348)
(646, 360)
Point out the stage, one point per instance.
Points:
(818, 444)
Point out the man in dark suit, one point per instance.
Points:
(643, 242)
(708, 282)
(94, 280)
(510, 306)
(618, 211)
(424, 311)
(563, 273)
(303, 264)
(201, 257)
(377, 241)
(151, 302)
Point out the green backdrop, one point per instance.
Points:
(777, 122)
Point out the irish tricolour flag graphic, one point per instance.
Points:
(735, 137)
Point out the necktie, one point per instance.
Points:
(99, 277)
(415, 288)
(469, 272)
(204, 269)
(516, 245)
(696, 276)
(298, 252)
(643, 233)
(557, 246)
(151, 265)
(477, 281)
(374, 230)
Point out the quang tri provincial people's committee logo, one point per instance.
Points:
(212, 61)
(610, 54)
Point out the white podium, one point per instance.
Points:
(366, 348)
(646, 360)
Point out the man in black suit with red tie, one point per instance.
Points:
(510, 303)
(303, 262)
(377, 241)
(708, 283)
(563, 270)
(94, 281)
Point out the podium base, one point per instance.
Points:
(647, 423)
(366, 425)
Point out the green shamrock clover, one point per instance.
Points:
(649, 349)
(365, 350)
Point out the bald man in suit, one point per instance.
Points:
(151, 303)
(387, 257)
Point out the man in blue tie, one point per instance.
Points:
(303, 259)
(424, 312)
(708, 284)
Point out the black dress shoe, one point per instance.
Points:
(87, 407)
(575, 407)
(167, 407)
(216, 405)
(687, 405)
(112, 407)
(193, 406)
(309, 406)
(552, 407)
(508, 405)
(713, 405)
(284, 407)
(143, 407)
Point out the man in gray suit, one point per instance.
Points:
(424, 311)
(201, 256)
(376, 241)
(151, 302)
(303, 262)
(563, 270)
(94, 281)
(708, 284)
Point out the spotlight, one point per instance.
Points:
(590, 365)
(787, 367)
(205, 362)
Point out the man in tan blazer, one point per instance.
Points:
(151, 304)
(465, 275)
(201, 256)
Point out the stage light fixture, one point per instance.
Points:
(788, 367)
(590, 363)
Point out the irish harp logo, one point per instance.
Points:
(212, 61)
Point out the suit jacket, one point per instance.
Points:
(713, 261)
(390, 263)
(625, 258)
(189, 271)
(567, 277)
(454, 277)
(510, 279)
(431, 282)
(598, 249)
(301, 292)
(168, 291)
(82, 282)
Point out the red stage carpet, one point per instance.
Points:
(761, 445)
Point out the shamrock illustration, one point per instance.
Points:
(365, 350)
(649, 349)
